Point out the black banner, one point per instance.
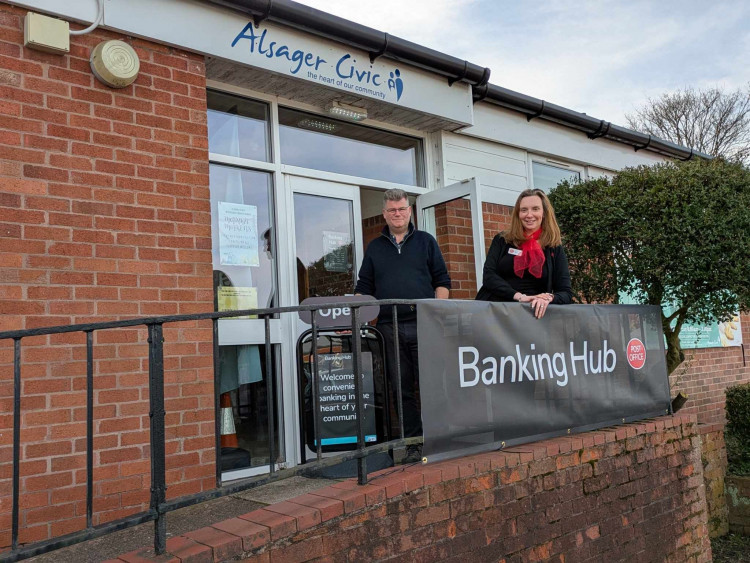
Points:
(492, 375)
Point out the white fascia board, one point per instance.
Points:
(493, 123)
(228, 34)
(77, 10)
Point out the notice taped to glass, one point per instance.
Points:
(238, 234)
(237, 299)
(337, 401)
(493, 375)
(336, 251)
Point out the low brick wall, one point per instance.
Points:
(630, 493)
(738, 501)
(714, 461)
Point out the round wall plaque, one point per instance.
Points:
(115, 63)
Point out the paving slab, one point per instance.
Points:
(184, 520)
(284, 490)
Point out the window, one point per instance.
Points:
(243, 250)
(312, 141)
(325, 246)
(243, 242)
(238, 127)
(547, 176)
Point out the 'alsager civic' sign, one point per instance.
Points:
(342, 70)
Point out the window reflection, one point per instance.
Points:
(312, 141)
(237, 127)
(547, 177)
(324, 229)
(243, 242)
(243, 380)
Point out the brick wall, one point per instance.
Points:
(714, 460)
(496, 220)
(104, 214)
(456, 240)
(371, 228)
(630, 493)
(453, 231)
(707, 372)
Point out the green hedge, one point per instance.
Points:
(737, 432)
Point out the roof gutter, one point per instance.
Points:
(594, 128)
(378, 43)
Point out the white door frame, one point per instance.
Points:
(470, 188)
(312, 186)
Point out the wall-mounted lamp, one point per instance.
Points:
(343, 111)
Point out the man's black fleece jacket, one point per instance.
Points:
(411, 272)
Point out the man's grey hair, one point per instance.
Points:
(394, 195)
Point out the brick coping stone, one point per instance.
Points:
(235, 537)
(708, 428)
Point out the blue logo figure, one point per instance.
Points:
(395, 82)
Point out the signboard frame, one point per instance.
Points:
(380, 390)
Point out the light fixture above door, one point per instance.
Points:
(343, 111)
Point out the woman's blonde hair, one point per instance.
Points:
(550, 236)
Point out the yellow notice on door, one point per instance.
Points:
(237, 299)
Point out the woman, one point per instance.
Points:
(527, 263)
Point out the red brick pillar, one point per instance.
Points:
(455, 237)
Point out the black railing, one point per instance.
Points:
(159, 505)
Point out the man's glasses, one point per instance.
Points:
(394, 210)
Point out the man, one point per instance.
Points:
(403, 263)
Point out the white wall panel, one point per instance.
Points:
(482, 158)
(491, 178)
(595, 172)
(511, 128)
(501, 169)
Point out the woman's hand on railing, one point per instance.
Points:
(539, 304)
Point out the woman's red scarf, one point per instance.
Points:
(532, 256)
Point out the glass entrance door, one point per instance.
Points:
(327, 251)
(327, 237)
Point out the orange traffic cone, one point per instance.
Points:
(228, 431)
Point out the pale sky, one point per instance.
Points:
(604, 58)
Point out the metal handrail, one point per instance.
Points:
(159, 506)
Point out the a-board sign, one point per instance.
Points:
(337, 400)
(338, 317)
